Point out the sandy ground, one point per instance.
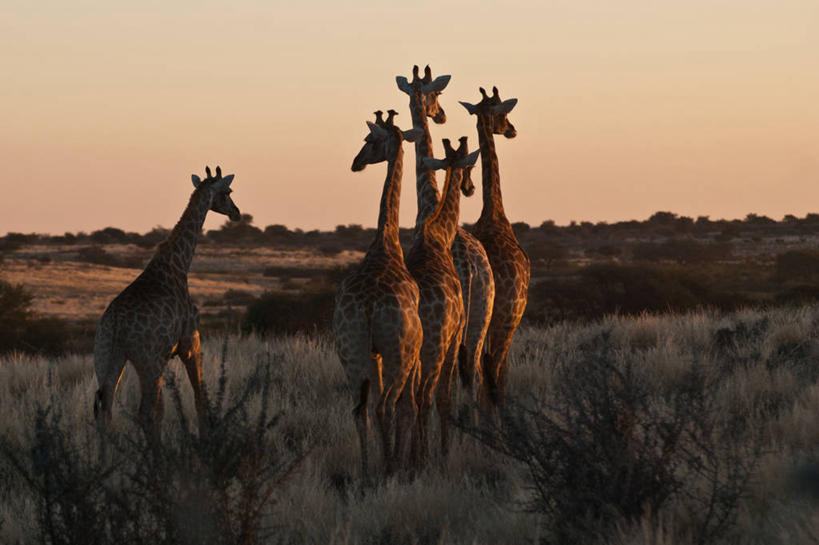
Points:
(67, 288)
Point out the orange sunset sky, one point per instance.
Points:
(625, 108)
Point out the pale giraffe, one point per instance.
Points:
(154, 319)
(375, 321)
(471, 262)
(510, 264)
(441, 306)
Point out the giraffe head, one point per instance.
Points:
(493, 111)
(457, 158)
(383, 141)
(426, 90)
(220, 191)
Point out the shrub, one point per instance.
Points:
(682, 251)
(15, 313)
(606, 446)
(798, 265)
(206, 487)
(242, 230)
(608, 288)
(21, 329)
(153, 237)
(275, 313)
(98, 256)
(109, 235)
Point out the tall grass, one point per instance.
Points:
(758, 397)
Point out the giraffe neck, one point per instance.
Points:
(386, 237)
(425, 183)
(177, 250)
(443, 222)
(490, 176)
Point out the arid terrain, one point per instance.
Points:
(654, 430)
(663, 386)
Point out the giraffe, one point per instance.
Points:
(154, 319)
(471, 261)
(510, 264)
(375, 322)
(441, 306)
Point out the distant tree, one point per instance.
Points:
(790, 219)
(276, 231)
(520, 228)
(663, 218)
(352, 229)
(683, 224)
(109, 235)
(153, 237)
(547, 251)
(242, 230)
(754, 219)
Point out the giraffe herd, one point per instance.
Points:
(402, 325)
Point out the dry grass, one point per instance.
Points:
(767, 362)
(71, 289)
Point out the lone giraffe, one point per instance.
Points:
(471, 261)
(154, 319)
(441, 305)
(510, 264)
(375, 322)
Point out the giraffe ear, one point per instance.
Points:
(403, 84)
(377, 131)
(471, 108)
(196, 180)
(505, 107)
(431, 163)
(413, 135)
(469, 160)
(222, 183)
(438, 85)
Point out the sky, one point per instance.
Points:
(624, 108)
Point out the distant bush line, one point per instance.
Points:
(580, 272)
(355, 237)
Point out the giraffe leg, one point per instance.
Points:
(383, 419)
(190, 353)
(400, 364)
(471, 375)
(151, 406)
(406, 420)
(475, 343)
(426, 392)
(444, 392)
(495, 366)
(361, 415)
(109, 363)
(104, 398)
